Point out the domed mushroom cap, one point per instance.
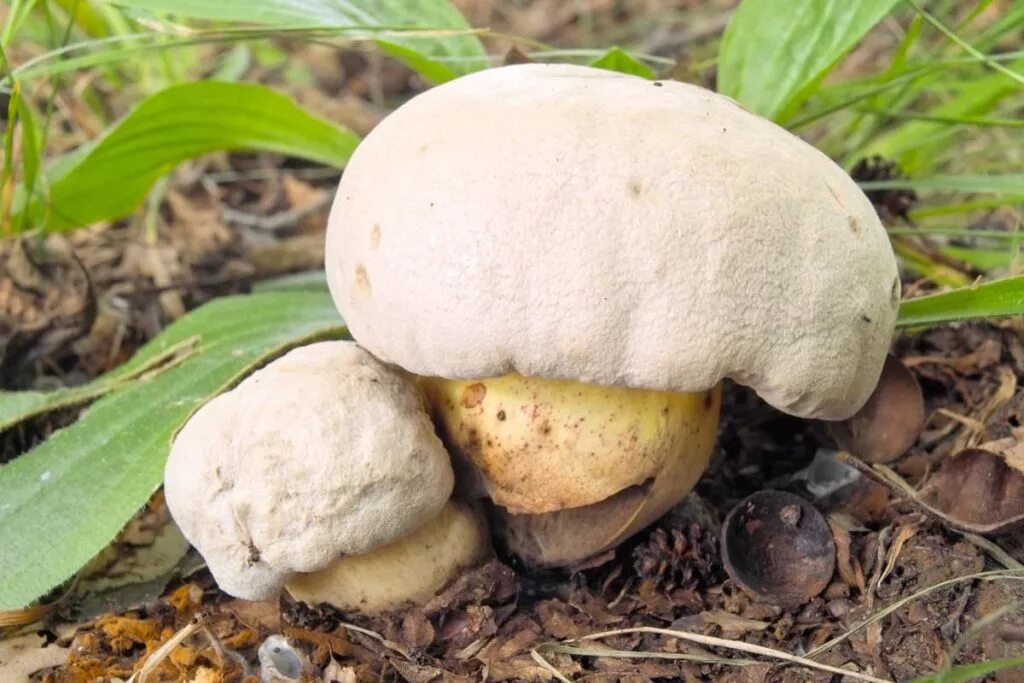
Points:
(324, 452)
(569, 222)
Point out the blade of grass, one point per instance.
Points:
(989, 300)
(421, 53)
(952, 120)
(16, 14)
(736, 645)
(1010, 183)
(982, 259)
(993, 575)
(939, 273)
(964, 45)
(972, 672)
(117, 49)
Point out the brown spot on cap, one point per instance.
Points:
(473, 395)
(362, 281)
(375, 236)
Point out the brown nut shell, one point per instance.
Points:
(890, 422)
(778, 548)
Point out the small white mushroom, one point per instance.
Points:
(546, 238)
(324, 453)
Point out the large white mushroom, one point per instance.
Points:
(319, 466)
(574, 259)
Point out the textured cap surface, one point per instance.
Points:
(569, 222)
(324, 452)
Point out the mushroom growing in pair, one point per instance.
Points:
(564, 263)
(573, 260)
(321, 472)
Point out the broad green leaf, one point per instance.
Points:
(438, 58)
(1010, 183)
(972, 672)
(991, 299)
(18, 406)
(775, 51)
(110, 177)
(63, 501)
(617, 59)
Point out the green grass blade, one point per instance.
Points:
(1010, 183)
(916, 144)
(62, 502)
(989, 300)
(16, 13)
(964, 45)
(774, 51)
(425, 54)
(971, 672)
(617, 59)
(982, 259)
(109, 178)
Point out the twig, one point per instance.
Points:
(994, 575)
(536, 656)
(739, 646)
(378, 637)
(161, 653)
(278, 221)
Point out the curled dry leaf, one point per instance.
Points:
(777, 547)
(890, 422)
(980, 488)
(979, 491)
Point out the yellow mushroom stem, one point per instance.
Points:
(409, 571)
(572, 468)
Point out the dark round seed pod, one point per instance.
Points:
(778, 548)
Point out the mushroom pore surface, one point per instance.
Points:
(572, 223)
(322, 453)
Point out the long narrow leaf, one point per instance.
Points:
(431, 56)
(109, 178)
(992, 299)
(774, 51)
(62, 502)
(972, 672)
(1012, 183)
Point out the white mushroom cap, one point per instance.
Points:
(568, 222)
(325, 452)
